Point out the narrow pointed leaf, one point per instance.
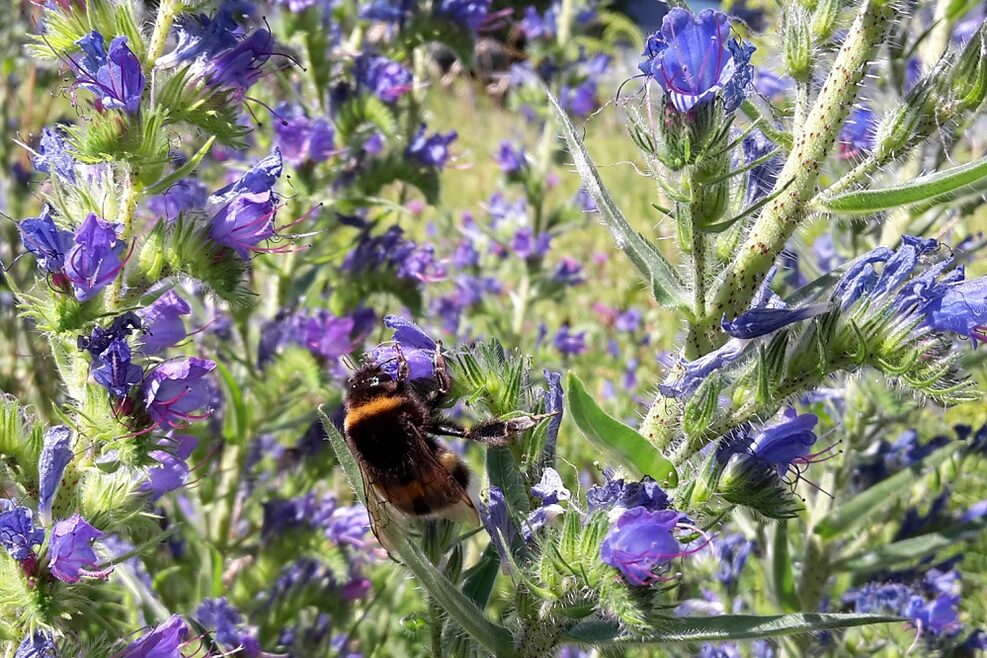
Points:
(616, 440)
(722, 628)
(909, 551)
(665, 282)
(183, 171)
(459, 607)
(857, 510)
(916, 191)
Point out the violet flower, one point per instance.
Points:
(114, 370)
(431, 151)
(162, 641)
(163, 323)
(18, 534)
(115, 77)
(640, 542)
(417, 348)
(56, 453)
(71, 552)
(45, 240)
(177, 391)
(96, 258)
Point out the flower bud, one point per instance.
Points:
(752, 482)
(824, 19)
(914, 117)
(969, 76)
(797, 40)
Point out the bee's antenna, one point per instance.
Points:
(348, 362)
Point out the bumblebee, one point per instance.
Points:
(390, 427)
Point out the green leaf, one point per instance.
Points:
(909, 551)
(916, 191)
(618, 441)
(714, 629)
(459, 607)
(183, 171)
(848, 515)
(234, 424)
(665, 283)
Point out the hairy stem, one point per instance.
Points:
(798, 178)
(167, 11)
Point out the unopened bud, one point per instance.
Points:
(797, 41)
(824, 19)
(751, 482)
(915, 117)
(969, 77)
(151, 259)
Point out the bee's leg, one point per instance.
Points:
(403, 368)
(441, 373)
(491, 432)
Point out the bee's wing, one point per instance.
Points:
(434, 488)
(379, 516)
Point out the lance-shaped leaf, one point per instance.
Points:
(616, 440)
(496, 639)
(665, 282)
(910, 551)
(715, 629)
(857, 510)
(943, 183)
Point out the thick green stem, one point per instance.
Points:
(125, 217)
(167, 11)
(798, 178)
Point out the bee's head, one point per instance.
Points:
(369, 382)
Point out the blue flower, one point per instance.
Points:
(53, 155)
(550, 489)
(640, 542)
(732, 552)
(535, 26)
(71, 553)
(384, 78)
(569, 272)
(113, 369)
(18, 534)
(553, 397)
(163, 324)
(177, 390)
(620, 495)
(857, 135)
(526, 245)
(431, 151)
(417, 348)
(303, 139)
(695, 372)
(240, 67)
(122, 326)
(38, 644)
(56, 453)
(693, 58)
(761, 178)
(219, 616)
(499, 524)
(115, 77)
(936, 616)
(787, 442)
(762, 321)
(568, 342)
(45, 240)
(201, 36)
(510, 158)
(163, 641)
(96, 258)
(581, 100)
(188, 194)
(171, 471)
(470, 13)
(348, 525)
(959, 307)
(247, 207)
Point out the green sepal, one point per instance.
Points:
(66, 25)
(364, 110)
(618, 441)
(397, 169)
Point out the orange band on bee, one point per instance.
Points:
(372, 408)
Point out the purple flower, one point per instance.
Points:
(620, 495)
(188, 194)
(348, 525)
(38, 644)
(223, 620)
(550, 489)
(960, 307)
(432, 151)
(113, 369)
(764, 320)
(786, 442)
(511, 159)
(640, 542)
(469, 13)
(163, 324)
(163, 641)
(533, 26)
(732, 552)
(526, 245)
(246, 208)
(569, 343)
(56, 453)
(629, 320)
(53, 155)
(384, 78)
(416, 346)
(95, 259)
(202, 37)
(936, 616)
(71, 551)
(240, 66)
(18, 534)
(176, 389)
(569, 272)
(693, 58)
(857, 135)
(301, 138)
(122, 326)
(580, 100)
(499, 524)
(693, 373)
(45, 240)
(171, 471)
(115, 78)
(761, 178)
